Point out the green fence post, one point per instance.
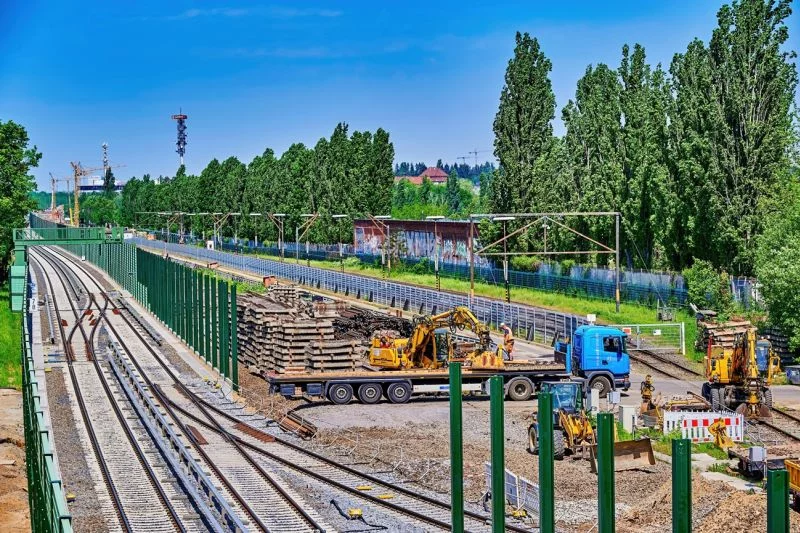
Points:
(456, 451)
(214, 344)
(224, 323)
(234, 340)
(544, 431)
(777, 501)
(207, 317)
(497, 392)
(681, 486)
(605, 472)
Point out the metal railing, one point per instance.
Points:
(655, 337)
(48, 504)
(531, 323)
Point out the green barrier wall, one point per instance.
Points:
(198, 307)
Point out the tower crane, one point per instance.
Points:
(79, 172)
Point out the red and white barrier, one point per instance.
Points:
(694, 426)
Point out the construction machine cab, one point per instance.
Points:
(567, 396)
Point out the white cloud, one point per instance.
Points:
(265, 11)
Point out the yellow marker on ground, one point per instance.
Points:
(364, 487)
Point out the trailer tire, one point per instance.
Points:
(601, 384)
(716, 399)
(558, 444)
(340, 393)
(398, 392)
(370, 393)
(520, 389)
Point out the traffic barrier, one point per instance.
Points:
(694, 426)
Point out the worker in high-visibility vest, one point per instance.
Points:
(508, 340)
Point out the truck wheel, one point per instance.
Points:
(370, 393)
(768, 398)
(716, 400)
(398, 392)
(533, 440)
(558, 444)
(601, 384)
(340, 393)
(520, 389)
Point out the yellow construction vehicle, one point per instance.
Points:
(739, 378)
(573, 433)
(431, 346)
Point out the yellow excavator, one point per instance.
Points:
(431, 344)
(573, 433)
(739, 378)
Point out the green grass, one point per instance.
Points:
(10, 333)
(605, 310)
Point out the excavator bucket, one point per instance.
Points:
(757, 411)
(628, 455)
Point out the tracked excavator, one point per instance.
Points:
(739, 378)
(431, 344)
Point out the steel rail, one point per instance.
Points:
(204, 407)
(112, 489)
(137, 448)
(208, 460)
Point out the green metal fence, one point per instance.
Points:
(48, 506)
(197, 306)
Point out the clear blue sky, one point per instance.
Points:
(254, 75)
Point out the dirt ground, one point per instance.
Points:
(412, 440)
(14, 513)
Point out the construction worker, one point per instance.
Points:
(508, 340)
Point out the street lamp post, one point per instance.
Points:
(504, 220)
(339, 235)
(436, 218)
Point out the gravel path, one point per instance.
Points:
(86, 514)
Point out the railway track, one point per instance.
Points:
(787, 424)
(225, 433)
(268, 503)
(124, 462)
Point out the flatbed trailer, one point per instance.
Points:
(521, 378)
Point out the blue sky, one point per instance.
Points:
(252, 75)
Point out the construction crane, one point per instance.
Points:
(53, 187)
(79, 172)
(475, 152)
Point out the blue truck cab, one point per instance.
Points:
(598, 355)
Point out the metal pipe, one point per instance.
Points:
(497, 392)
(605, 472)
(616, 263)
(777, 501)
(544, 428)
(456, 451)
(681, 486)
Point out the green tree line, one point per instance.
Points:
(346, 174)
(693, 156)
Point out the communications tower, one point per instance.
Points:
(181, 144)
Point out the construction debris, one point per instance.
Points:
(361, 324)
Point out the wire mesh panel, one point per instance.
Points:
(532, 323)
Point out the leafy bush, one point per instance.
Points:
(352, 262)
(423, 266)
(525, 263)
(707, 288)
